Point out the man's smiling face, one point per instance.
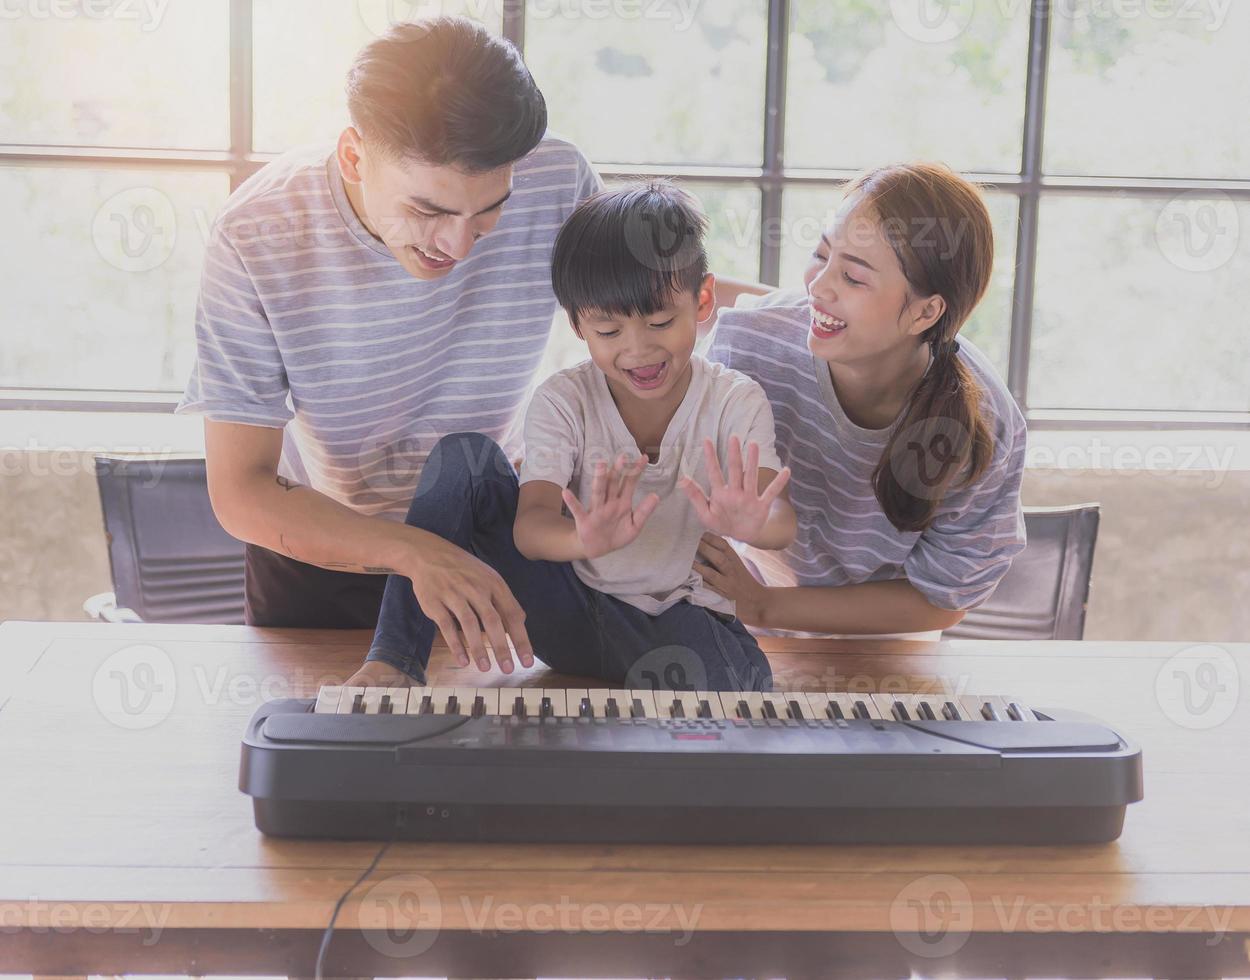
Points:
(428, 216)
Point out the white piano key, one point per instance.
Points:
(1025, 713)
(938, 704)
(559, 705)
(648, 703)
(348, 698)
(573, 698)
(599, 701)
(689, 701)
(533, 698)
(975, 705)
(415, 696)
(464, 699)
(328, 699)
(885, 704)
(856, 698)
(778, 702)
(372, 698)
(490, 700)
(439, 696)
(754, 700)
(713, 702)
(805, 708)
(622, 701)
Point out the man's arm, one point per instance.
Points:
(461, 594)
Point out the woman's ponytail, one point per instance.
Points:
(939, 228)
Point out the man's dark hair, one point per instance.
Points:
(446, 92)
(626, 251)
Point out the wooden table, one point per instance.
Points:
(127, 847)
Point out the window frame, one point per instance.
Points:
(771, 179)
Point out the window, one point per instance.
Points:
(1111, 139)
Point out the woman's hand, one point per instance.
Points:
(611, 521)
(725, 574)
(737, 508)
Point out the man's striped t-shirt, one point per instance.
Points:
(844, 536)
(306, 322)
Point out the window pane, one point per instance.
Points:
(653, 83)
(303, 49)
(1141, 304)
(873, 82)
(1158, 89)
(117, 74)
(733, 213)
(808, 211)
(101, 293)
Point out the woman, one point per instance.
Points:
(907, 450)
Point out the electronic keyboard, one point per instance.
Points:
(658, 766)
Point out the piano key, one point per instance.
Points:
(358, 703)
(929, 707)
(373, 699)
(774, 705)
(1017, 710)
(621, 702)
(328, 699)
(559, 702)
(419, 701)
(464, 699)
(598, 697)
(347, 698)
(830, 706)
(689, 701)
(754, 703)
(519, 709)
(710, 699)
(490, 699)
(985, 707)
(864, 707)
(573, 699)
(896, 707)
(647, 702)
(797, 706)
(533, 698)
(440, 696)
(478, 707)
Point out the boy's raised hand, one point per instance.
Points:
(612, 521)
(737, 508)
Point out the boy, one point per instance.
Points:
(611, 587)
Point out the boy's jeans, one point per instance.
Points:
(468, 495)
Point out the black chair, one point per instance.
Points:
(172, 562)
(1044, 594)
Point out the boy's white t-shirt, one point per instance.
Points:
(573, 423)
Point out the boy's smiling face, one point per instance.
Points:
(645, 357)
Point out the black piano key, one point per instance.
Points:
(793, 710)
(834, 711)
(899, 711)
(860, 710)
(705, 709)
(545, 710)
(611, 709)
(518, 707)
(358, 704)
(479, 707)
(770, 710)
(453, 705)
(950, 712)
(926, 712)
(427, 706)
(584, 710)
(678, 710)
(1015, 712)
(744, 710)
(636, 710)
(385, 707)
(988, 712)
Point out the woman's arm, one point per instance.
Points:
(894, 606)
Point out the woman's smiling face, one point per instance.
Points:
(861, 305)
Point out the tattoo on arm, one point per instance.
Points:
(287, 485)
(336, 566)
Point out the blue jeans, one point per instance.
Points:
(468, 495)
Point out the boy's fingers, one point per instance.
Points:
(573, 504)
(773, 490)
(645, 509)
(751, 476)
(598, 486)
(695, 494)
(734, 475)
(713, 466)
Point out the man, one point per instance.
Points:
(360, 303)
